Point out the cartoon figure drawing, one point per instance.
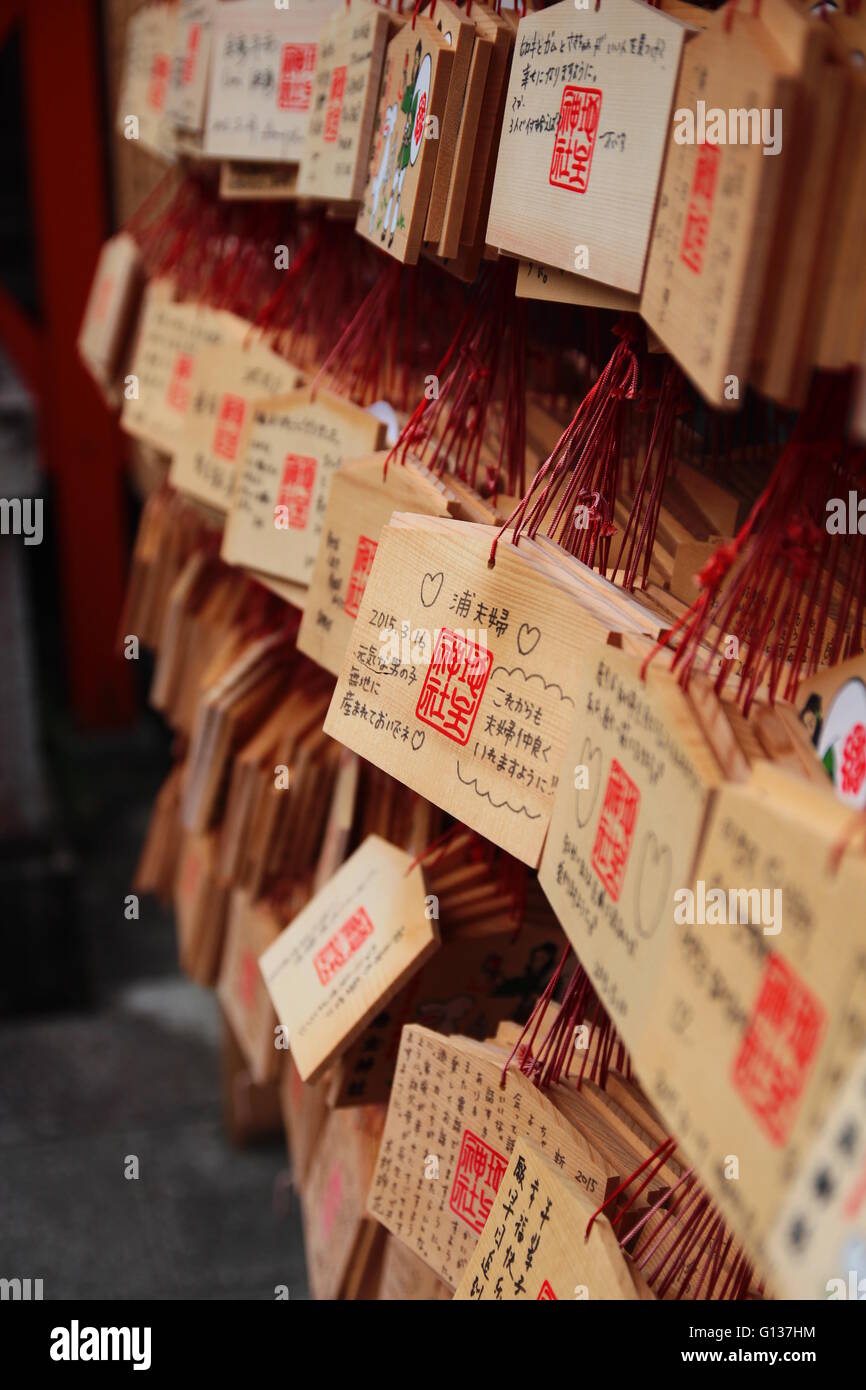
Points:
(386, 136)
(413, 104)
(840, 741)
(811, 717)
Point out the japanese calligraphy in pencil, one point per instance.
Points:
(583, 138)
(348, 952)
(150, 40)
(458, 679)
(360, 503)
(163, 359)
(450, 1103)
(293, 448)
(625, 828)
(261, 80)
(345, 94)
(413, 92)
(193, 38)
(752, 1034)
(534, 1245)
(226, 381)
(712, 236)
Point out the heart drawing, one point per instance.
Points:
(528, 638)
(431, 588)
(586, 797)
(652, 884)
(418, 739)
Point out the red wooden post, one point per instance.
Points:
(79, 440)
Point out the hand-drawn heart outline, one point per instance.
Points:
(525, 628)
(418, 734)
(593, 765)
(661, 854)
(432, 578)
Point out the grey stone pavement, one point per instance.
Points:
(136, 1072)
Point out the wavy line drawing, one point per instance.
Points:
(497, 805)
(548, 685)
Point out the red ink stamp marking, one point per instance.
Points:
(335, 105)
(342, 945)
(476, 1181)
(177, 394)
(295, 87)
(158, 86)
(419, 119)
(249, 978)
(574, 142)
(229, 425)
(853, 760)
(296, 490)
(700, 207)
(778, 1049)
(453, 686)
(193, 39)
(103, 298)
(615, 829)
(361, 567)
(546, 1294)
(331, 1200)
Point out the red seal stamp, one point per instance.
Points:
(853, 760)
(229, 425)
(177, 394)
(615, 829)
(453, 686)
(361, 567)
(342, 945)
(296, 490)
(248, 980)
(335, 105)
(158, 85)
(700, 207)
(419, 119)
(778, 1049)
(193, 40)
(476, 1181)
(546, 1294)
(574, 142)
(295, 86)
(104, 297)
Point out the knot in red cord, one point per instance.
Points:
(717, 567)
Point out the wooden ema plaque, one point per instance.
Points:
(459, 679)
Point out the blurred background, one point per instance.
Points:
(106, 1051)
